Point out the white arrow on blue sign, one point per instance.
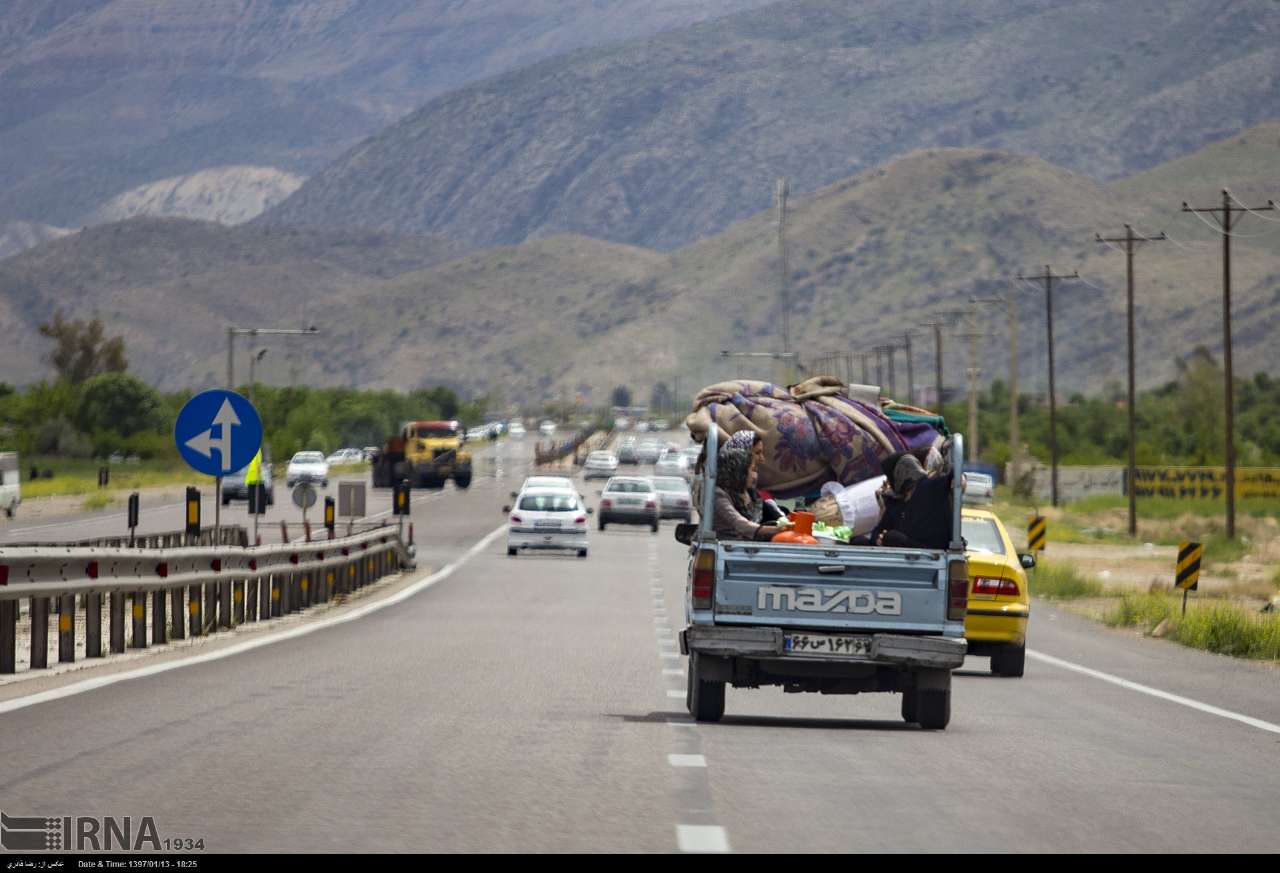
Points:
(218, 432)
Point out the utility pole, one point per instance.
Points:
(1227, 217)
(866, 370)
(1047, 277)
(890, 352)
(937, 324)
(1131, 242)
(1015, 438)
(911, 378)
(781, 191)
(971, 437)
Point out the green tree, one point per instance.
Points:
(118, 402)
(82, 349)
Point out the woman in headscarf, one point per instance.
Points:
(739, 512)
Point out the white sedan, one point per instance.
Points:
(600, 465)
(307, 467)
(547, 518)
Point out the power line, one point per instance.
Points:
(1270, 203)
(1228, 216)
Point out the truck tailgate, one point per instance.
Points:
(833, 588)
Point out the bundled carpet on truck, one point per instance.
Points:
(813, 432)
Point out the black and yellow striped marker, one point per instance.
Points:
(1037, 527)
(1188, 576)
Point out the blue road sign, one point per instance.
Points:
(218, 432)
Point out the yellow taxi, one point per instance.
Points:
(999, 599)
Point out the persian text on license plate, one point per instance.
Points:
(823, 644)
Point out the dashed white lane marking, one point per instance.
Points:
(672, 671)
(685, 724)
(670, 656)
(249, 645)
(674, 694)
(702, 838)
(1156, 692)
(687, 760)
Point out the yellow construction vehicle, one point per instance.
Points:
(427, 453)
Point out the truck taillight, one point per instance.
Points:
(704, 579)
(988, 585)
(957, 590)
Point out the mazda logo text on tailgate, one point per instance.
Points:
(778, 597)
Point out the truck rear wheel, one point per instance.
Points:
(928, 701)
(462, 480)
(704, 698)
(1009, 662)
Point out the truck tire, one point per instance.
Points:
(933, 709)
(927, 700)
(705, 699)
(1009, 662)
(462, 480)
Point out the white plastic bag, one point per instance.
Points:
(858, 505)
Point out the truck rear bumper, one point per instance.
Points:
(768, 642)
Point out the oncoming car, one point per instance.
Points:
(547, 518)
(999, 597)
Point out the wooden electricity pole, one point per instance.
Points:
(1131, 241)
(1048, 277)
(1228, 216)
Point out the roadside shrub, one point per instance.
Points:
(1141, 610)
(1063, 582)
(1228, 629)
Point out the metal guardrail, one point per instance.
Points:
(208, 587)
(227, 535)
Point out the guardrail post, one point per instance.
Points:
(39, 633)
(159, 618)
(195, 620)
(251, 594)
(116, 620)
(139, 620)
(67, 629)
(8, 636)
(93, 625)
(179, 627)
(276, 595)
(224, 605)
(237, 599)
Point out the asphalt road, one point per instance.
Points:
(536, 704)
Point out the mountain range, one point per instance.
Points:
(871, 256)
(663, 141)
(100, 97)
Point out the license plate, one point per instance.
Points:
(824, 644)
(628, 502)
(546, 525)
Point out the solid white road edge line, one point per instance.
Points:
(249, 645)
(1156, 692)
(702, 838)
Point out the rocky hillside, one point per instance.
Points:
(98, 97)
(18, 236)
(228, 195)
(171, 287)
(668, 140)
(872, 256)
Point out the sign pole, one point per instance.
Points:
(1184, 602)
(217, 510)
